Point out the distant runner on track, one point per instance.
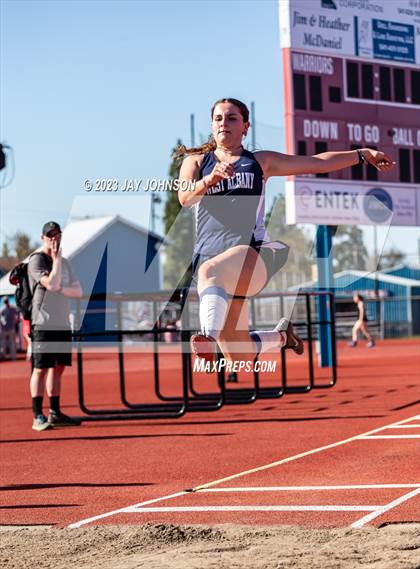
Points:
(361, 324)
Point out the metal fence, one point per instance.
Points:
(111, 310)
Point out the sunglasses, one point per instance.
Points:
(52, 234)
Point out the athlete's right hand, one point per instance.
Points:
(221, 171)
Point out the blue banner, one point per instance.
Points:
(393, 41)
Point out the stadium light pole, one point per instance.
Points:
(253, 127)
(192, 129)
(418, 249)
(156, 200)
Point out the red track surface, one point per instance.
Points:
(67, 475)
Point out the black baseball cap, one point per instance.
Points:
(50, 226)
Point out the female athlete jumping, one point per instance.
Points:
(233, 254)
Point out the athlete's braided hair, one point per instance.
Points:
(210, 145)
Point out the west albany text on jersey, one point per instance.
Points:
(243, 180)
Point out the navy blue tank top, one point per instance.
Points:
(231, 212)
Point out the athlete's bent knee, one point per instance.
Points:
(207, 270)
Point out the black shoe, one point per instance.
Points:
(61, 420)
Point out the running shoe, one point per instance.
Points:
(371, 344)
(61, 420)
(352, 344)
(293, 341)
(41, 423)
(204, 347)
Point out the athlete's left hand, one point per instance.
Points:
(378, 159)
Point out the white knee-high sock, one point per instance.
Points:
(213, 310)
(268, 339)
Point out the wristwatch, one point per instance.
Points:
(362, 159)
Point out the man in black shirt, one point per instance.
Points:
(52, 283)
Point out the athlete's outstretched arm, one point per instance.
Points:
(277, 164)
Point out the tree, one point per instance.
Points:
(178, 224)
(298, 267)
(391, 258)
(349, 251)
(5, 251)
(22, 245)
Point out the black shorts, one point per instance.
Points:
(51, 348)
(274, 260)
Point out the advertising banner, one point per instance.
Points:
(366, 28)
(311, 200)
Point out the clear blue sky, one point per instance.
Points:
(103, 89)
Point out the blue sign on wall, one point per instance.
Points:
(393, 40)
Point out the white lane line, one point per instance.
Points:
(367, 437)
(415, 426)
(258, 509)
(124, 510)
(202, 486)
(368, 518)
(300, 455)
(310, 488)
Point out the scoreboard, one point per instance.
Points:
(352, 80)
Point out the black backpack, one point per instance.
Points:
(23, 294)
